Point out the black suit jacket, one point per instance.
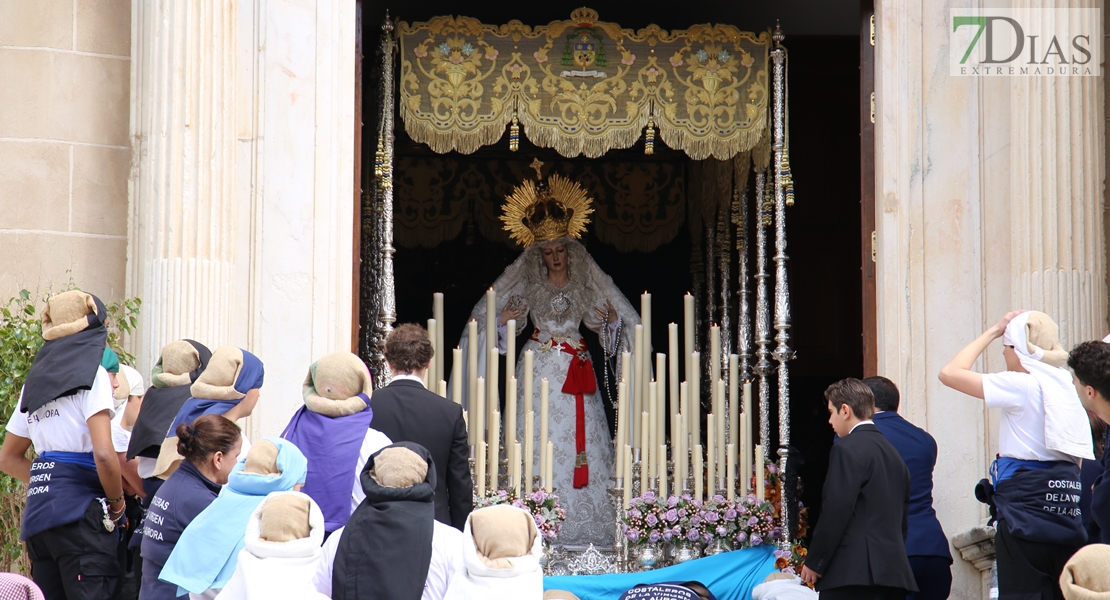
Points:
(407, 412)
(860, 537)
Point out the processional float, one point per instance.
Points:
(583, 87)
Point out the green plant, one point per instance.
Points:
(20, 340)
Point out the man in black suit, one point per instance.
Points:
(858, 550)
(406, 411)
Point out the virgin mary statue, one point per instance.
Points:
(557, 286)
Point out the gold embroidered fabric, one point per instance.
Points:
(583, 86)
(638, 206)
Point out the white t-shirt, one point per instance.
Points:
(446, 561)
(1021, 434)
(61, 425)
(121, 437)
(373, 441)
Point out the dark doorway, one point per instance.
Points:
(824, 228)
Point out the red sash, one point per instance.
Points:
(580, 381)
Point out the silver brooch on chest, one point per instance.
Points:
(560, 304)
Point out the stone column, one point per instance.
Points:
(1057, 172)
(184, 213)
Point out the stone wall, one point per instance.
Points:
(64, 144)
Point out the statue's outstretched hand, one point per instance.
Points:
(514, 312)
(601, 312)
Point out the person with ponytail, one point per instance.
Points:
(210, 446)
(74, 492)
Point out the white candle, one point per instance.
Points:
(682, 462)
(478, 413)
(627, 452)
(437, 314)
(626, 376)
(622, 428)
(638, 390)
(676, 454)
(529, 386)
(645, 463)
(493, 449)
(431, 379)
(688, 333)
(529, 449)
(711, 452)
(550, 460)
(699, 474)
(510, 350)
(480, 469)
(456, 365)
(653, 430)
(721, 449)
(672, 375)
(731, 473)
(441, 389)
(492, 402)
(695, 397)
(759, 491)
(662, 470)
(644, 364)
(734, 405)
(491, 323)
(473, 399)
(715, 353)
(515, 462)
(661, 398)
(543, 427)
(684, 431)
(510, 411)
(748, 441)
(626, 366)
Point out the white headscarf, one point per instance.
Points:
(1066, 426)
(523, 580)
(268, 570)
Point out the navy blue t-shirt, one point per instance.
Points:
(184, 495)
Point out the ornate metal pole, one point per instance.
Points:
(744, 329)
(762, 315)
(724, 245)
(782, 353)
(387, 314)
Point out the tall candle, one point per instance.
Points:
(688, 333)
(682, 462)
(734, 404)
(645, 358)
(491, 323)
(478, 412)
(715, 353)
(515, 462)
(456, 365)
(684, 432)
(431, 379)
(437, 314)
(627, 452)
(510, 350)
(480, 469)
(695, 397)
(676, 454)
(699, 474)
(661, 397)
(721, 449)
(759, 491)
(549, 478)
(622, 419)
(472, 396)
(493, 404)
(493, 448)
(529, 386)
(510, 411)
(711, 452)
(672, 364)
(653, 429)
(626, 366)
(662, 470)
(731, 473)
(748, 441)
(645, 463)
(529, 448)
(543, 427)
(441, 389)
(626, 376)
(638, 390)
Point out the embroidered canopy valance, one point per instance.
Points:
(583, 86)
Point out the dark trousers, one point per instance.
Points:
(933, 575)
(1028, 570)
(77, 561)
(863, 592)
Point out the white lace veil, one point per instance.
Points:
(592, 288)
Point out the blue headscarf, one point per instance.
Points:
(207, 552)
(215, 392)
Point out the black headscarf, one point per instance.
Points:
(66, 365)
(160, 407)
(386, 547)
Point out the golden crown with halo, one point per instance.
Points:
(540, 212)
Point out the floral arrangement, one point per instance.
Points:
(545, 508)
(744, 523)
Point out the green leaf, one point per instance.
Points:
(24, 294)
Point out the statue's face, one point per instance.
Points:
(555, 257)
